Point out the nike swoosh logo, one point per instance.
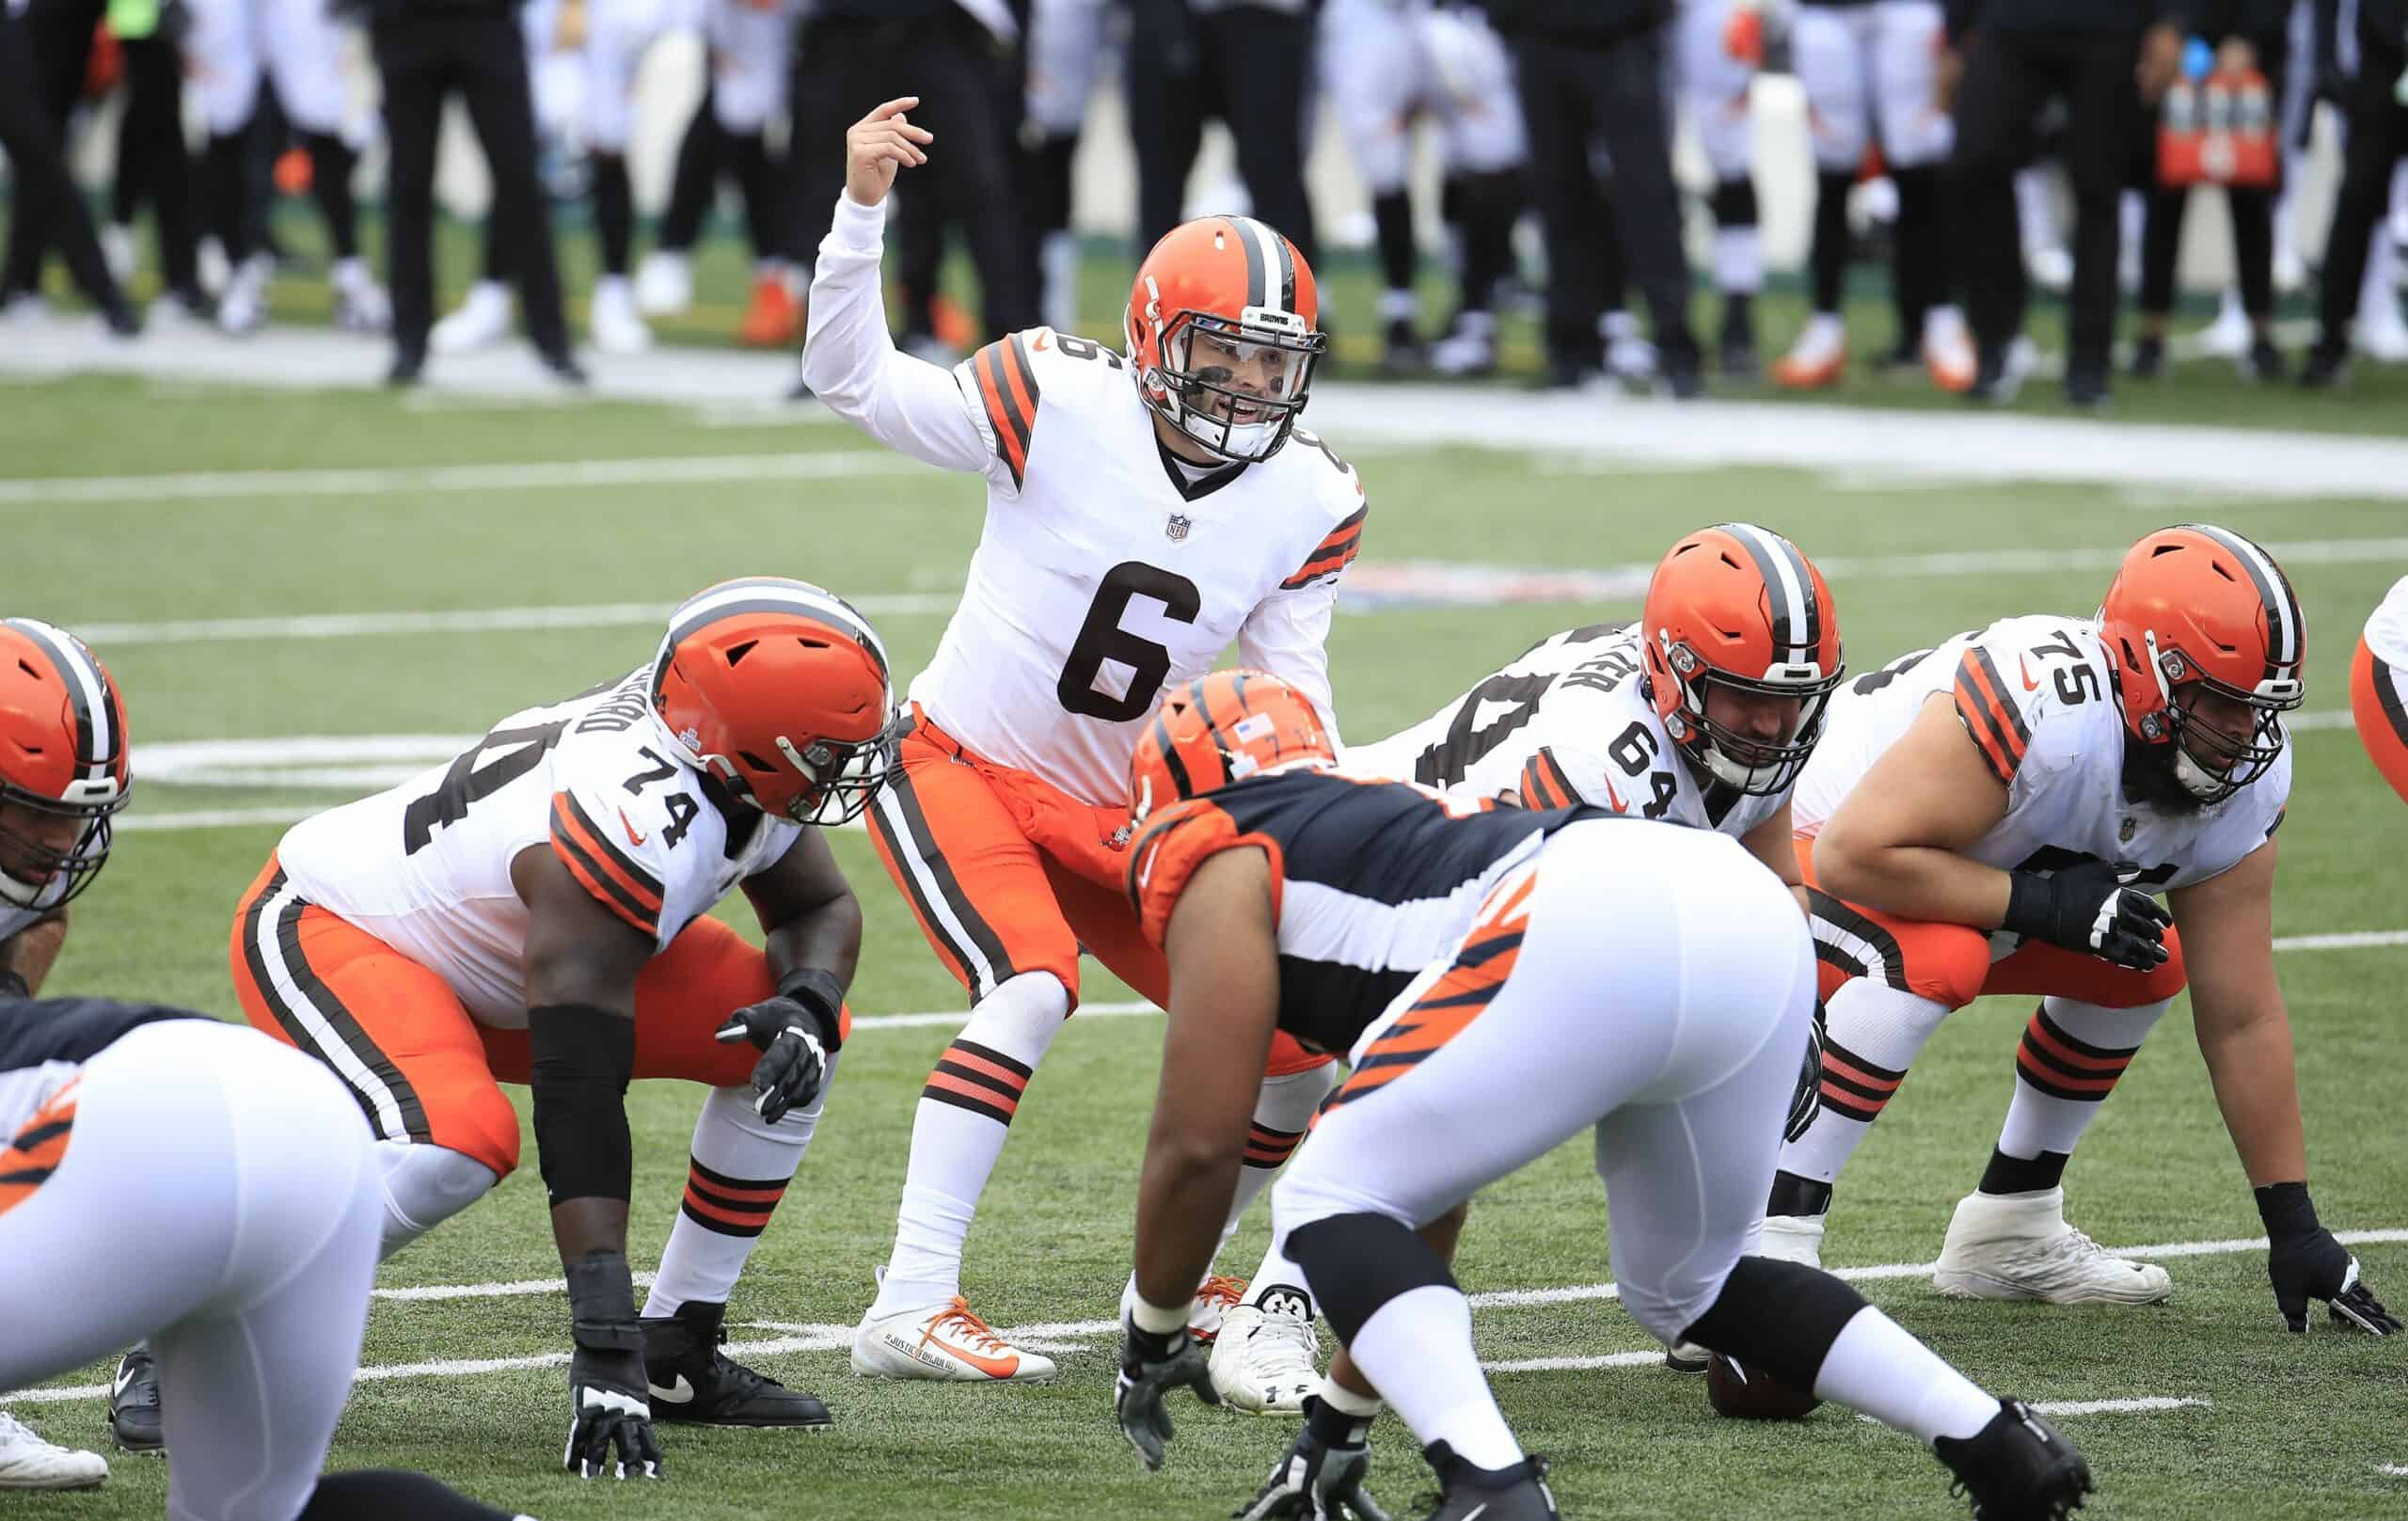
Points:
(124, 1377)
(680, 1392)
(2029, 685)
(991, 1367)
(1043, 339)
(1620, 807)
(633, 838)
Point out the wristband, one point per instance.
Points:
(1154, 1320)
(2029, 905)
(2288, 1212)
(818, 990)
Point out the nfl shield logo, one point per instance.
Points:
(1177, 527)
(2124, 836)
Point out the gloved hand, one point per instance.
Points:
(1150, 1366)
(793, 1031)
(2088, 906)
(1321, 1477)
(2305, 1262)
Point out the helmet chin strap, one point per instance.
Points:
(2197, 780)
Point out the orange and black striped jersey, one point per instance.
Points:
(426, 867)
(1372, 881)
(45, 1041)
(2038, 699)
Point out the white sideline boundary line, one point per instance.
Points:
(1066, 1335)
(651, 470)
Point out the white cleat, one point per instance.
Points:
(613, 318)
(2050, 267)
(1686, 1357)
(2384, 342)
(664, 284)
(484, 318)
(947, 1342)
(2018, 1247)
(1793, 1238)
(1265, 1359)
(361, 304)
(28, 1462)
(243, 308)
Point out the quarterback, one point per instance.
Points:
(1996, 815)
(1501, 980)
(1143, 509)
(537, 912)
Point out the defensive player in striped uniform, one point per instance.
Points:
(1703, 713)
(1145, 510)
(537, 911)
(251, 1184)
(1502, 981)
(1995, 816)
(63, 779)
(2378, 688)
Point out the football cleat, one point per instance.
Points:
(361, 304)
(2018, 1468)
(1219, 1295)
(1470, 347)
(1794, 1238)
(1948, 350)
(133, 1404)
(1468, 1493)
(1265, 1359)
(483, 318)
(1818, 356)
(774, 319)
(28, 1462)
(947, 1342)
(1686, 1357)
(610, 317)
(664, 284)
(694, 1382)
(2018, 1247)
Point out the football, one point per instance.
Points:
(1744, 1394)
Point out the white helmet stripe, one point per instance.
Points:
(1278, 292)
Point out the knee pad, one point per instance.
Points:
(425, 1185)
(1779, 1317)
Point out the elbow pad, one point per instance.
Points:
(583, 1057)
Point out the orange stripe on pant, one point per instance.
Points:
(2378, 701)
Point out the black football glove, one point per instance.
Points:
(609, 1408)
(1321, 1477)
(2088, 907)
(1150, 1366)
(793, 1031)
(2305, 1262)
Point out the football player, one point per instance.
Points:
(618, 34)
(1702, 713)
(1172, 506)
(2378, 688)
(255, 1185)
(537, 912)
(1871, 71)
(64, 777)
(1717, 47)
(1996, 815)
(1501, 979)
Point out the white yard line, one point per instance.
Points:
(417, 480)
(453, 621)
(2392, 1470)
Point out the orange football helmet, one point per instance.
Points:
(1738, 605)
(1220, 729)
(2199, 609)
(1221, 331)
(63, 753)
(780, 690)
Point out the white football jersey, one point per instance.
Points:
(1107, 570)
(425, 867)
(1564, 722)
(2387, 630)
(2036, 697)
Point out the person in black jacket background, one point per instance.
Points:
(2376, 104)
(1244, 61)
(34, 106)
(2104, 58)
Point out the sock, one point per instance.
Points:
(1872, 1034)
(1738, 251)
(748, 155)
(1492, 203)
(1392, 223)
(331, 161)
(390, 1494)
(226, 174)
(1282, 1114)
(1878, 1367)
(425, 1185)
(1828, 258)
(2071, 1056)
(736, 1175)
(614, 211)
(1416, 1350)
(958, 1133)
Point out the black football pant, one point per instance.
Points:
(2008, 76)
(1248, 66)
(424, 57)
(41, 72)
(2378, 137)
(151, 163)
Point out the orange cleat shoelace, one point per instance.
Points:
(967, 1327)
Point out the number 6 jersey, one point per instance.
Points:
(1108, 568)
(425, 867)
(1565, 724)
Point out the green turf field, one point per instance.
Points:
(2280, 1426)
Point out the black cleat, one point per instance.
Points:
(2149, 359)
(2018, 1468)
(1466, 1490)
(2086, 387)
(695, 1383)
(564, 368)
(2324, 368)
(133, 1404)
(1995, 383)
(2264, 363)
(409, 367)
(1402, 354)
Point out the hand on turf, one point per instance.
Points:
(610, 1411)
(2316, 1266)
(1150, 1366)
(793, 1062)
(1316, 1482)
(879, 146)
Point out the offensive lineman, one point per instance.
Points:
(1579, 971)
(538, 912)
(1702, 713)
(1993, 817)
(1143, 512)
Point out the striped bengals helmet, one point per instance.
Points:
(1737, 604)
(1220, 729)
(779, 691)
(2198, 608)
(1221, 330)
(62, 752)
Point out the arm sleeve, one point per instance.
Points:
(1287, 635)
(850, 362)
